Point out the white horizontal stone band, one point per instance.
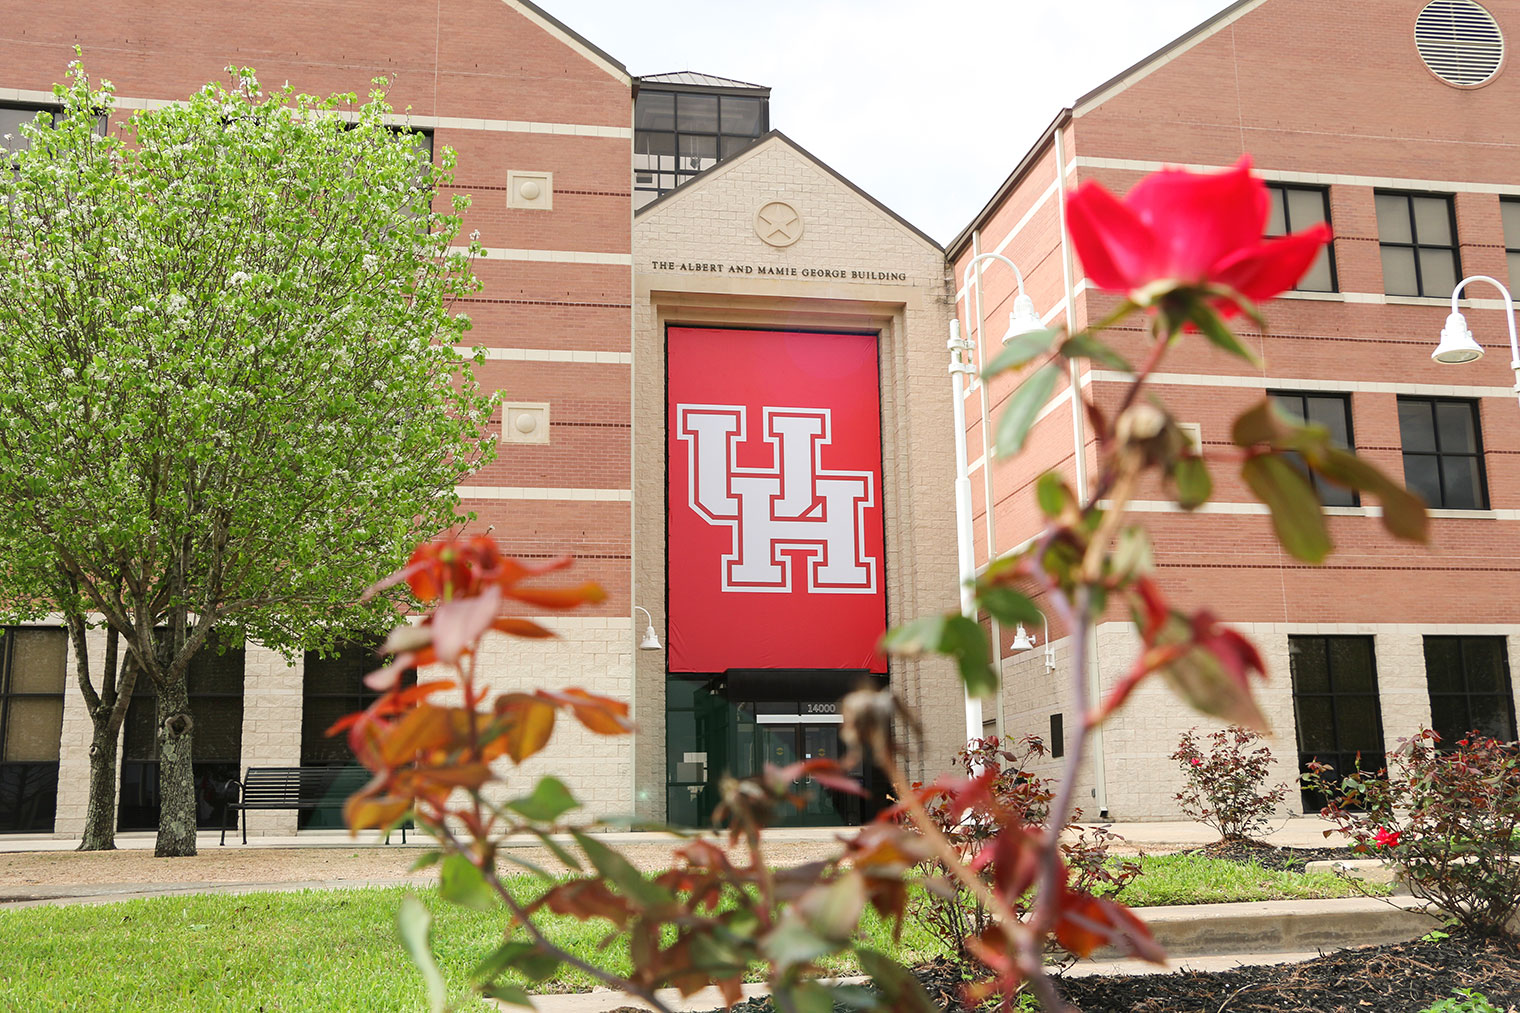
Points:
(552, 355)
(1159, 506)
(521, 492)
(552, 256)
(1289, 383)
(1320, 178)
(46, 98)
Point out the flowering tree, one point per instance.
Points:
(229, 391)
(1185, 252)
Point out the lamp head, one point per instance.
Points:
(1023, 319)
(1022, 641)
(650, 641)
(1457, 343)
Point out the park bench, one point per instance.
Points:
(295, 788)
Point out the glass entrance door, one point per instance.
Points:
(782, 744)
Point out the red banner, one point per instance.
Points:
(775, 524)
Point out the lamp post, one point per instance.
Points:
(1021, 320)
(1457, 342)
(650, 641)
(1022, 641)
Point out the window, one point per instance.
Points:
(1443, 452)
(332, 687)
(1333, 411)
(1293, 209)
(216, 704)
(1418, 237)
(677, 134)
(1335, 705)
(1509, 207)
(33, 664)
(13, 116)
(1469, 686)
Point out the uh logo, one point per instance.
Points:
(793, 508)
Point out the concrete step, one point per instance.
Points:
(1283, 926)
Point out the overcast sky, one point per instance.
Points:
(927, 105)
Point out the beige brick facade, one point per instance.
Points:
(712, 220)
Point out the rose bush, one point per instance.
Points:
(1225, 783)
(1184, 249)
(1447, 819)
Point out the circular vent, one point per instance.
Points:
(1459, 41)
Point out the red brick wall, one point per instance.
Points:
(469, 59)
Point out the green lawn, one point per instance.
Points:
(336, 951)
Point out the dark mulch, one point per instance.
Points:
(1270, 856)
(1394, 978)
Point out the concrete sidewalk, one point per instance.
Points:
(1295, 832)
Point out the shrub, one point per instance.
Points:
(1463, 1000)
(1225, 784)
(1445, 818)
(950, 912)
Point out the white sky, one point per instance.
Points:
(927, 105)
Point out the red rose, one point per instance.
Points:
(1179, 229)
(1386, 838)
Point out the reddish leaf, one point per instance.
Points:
(600, 714)
(364, 813)
(521, 628)
(529, 722)
(559, 597)
(424, 728)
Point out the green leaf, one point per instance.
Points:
(463, 883)
(559, 850)
(1008, 606)
(1191, 477)
(1085, 346)
(512, 994)
(916, 637)
(426, 859)
(1259, 425)
(952, 634)
(1022, 408)
(896, 983)
(1404, 513)
(811, 997)
(966, 641)
(413, 923)
(1218, 333)
(1296, 513)
(518, 955)
(1020, 351)
(833, 911)
(505, 854)
(634, 884)
(550, 800)
(1053, 494)
(791, 943)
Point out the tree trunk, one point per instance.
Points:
(176, 780)
(100, 816)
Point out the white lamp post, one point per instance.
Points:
(650, 641)
(1021, 320)
(1457, 342)
(1022, 641)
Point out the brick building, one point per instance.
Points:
(1396, 122)
(556, 142)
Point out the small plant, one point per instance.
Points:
(949, 911)
(1225, 785)
(1445, 819)
(1463, 1000)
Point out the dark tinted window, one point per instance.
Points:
(1335, 704)
(33, 675)
(1417, 236)
(1443, 452)
(1469, 684)
(678, 134)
